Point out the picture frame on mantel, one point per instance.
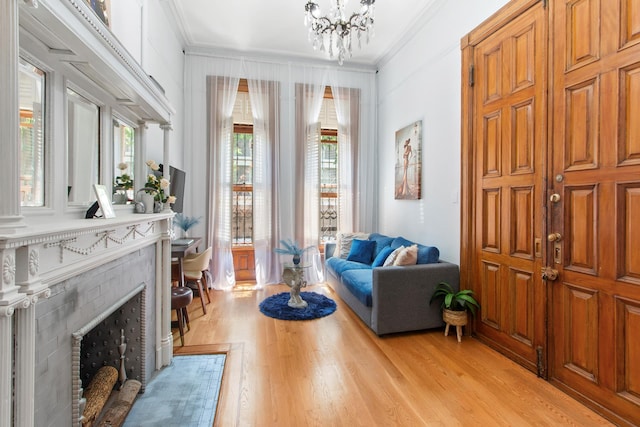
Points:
(103, 200)
(408, 168)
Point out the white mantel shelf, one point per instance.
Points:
(36, 257)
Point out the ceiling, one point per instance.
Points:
(277, 27)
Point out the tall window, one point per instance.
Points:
(328, 169)
(242, 169)
(328, 185)
(31, 98)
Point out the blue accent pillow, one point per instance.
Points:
(381, 240)
(382, 256)
(401, 241)
(428, 254)
(362, 251)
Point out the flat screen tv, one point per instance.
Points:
(177, 178)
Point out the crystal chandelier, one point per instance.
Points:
(335, 31)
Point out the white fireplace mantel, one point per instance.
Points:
(36, 257)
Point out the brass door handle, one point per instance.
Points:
(554, 237)
(549, 273)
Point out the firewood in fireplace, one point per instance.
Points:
(97, 393)
(118, 410)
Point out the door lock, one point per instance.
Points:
(554, 198)
(549, 273)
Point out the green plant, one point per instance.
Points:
(458, 301)
(124, 181)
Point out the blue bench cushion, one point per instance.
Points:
(426, 254)
(339, 265)
(359, 283)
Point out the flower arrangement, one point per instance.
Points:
(186, 222)
(157, 186)
(124, 181)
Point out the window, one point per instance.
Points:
(328, 185)
(123, 155)
(32, 161)
(242, 170)
(328, 169)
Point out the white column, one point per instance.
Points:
(10, 215)
(165, 155)
(6, 363)
(140, 175)
(163, 299)
(28, 280)
(25, 364)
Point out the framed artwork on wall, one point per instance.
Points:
(408, 169)
(102, 8)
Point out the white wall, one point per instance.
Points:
(163, 59)
(421, 81)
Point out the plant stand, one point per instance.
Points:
(455, 318)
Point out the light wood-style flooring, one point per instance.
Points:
(334, 371)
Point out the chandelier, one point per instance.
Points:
(335, 32)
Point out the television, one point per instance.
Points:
(176, 188)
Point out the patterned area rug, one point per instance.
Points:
(184, 394)
(317, 306)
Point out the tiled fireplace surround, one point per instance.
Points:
(56, 281)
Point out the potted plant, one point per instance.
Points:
(291, 248)
(455, 305)
(185, 223)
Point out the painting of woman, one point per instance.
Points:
(408, 162)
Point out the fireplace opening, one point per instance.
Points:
(116, 339)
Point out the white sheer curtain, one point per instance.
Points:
(265, 108)
(347, 102)
(221, 95)
(309, 95)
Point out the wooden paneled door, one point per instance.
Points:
(506, 169)
(551, 193)
(595, 318)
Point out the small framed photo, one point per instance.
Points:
(103, 200)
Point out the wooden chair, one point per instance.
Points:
(194, 267)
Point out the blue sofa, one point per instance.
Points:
(394, 298)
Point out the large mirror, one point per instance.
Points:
(83, 147)
(123, 155)
(32, 160)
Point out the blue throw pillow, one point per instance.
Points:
(382, 256)
(428, 254)
(361, 251)
(401, 241)
(381, 242)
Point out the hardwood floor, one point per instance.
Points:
(334, 371)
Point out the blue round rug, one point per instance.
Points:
(317, 306)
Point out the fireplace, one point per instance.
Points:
(115, 338)
(57, 286)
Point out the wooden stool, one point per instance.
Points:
(181, 297)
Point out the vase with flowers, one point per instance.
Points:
(122, 186)
(185, 223)
(158, 188)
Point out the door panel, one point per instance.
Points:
(596, 157)
(510, 127)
